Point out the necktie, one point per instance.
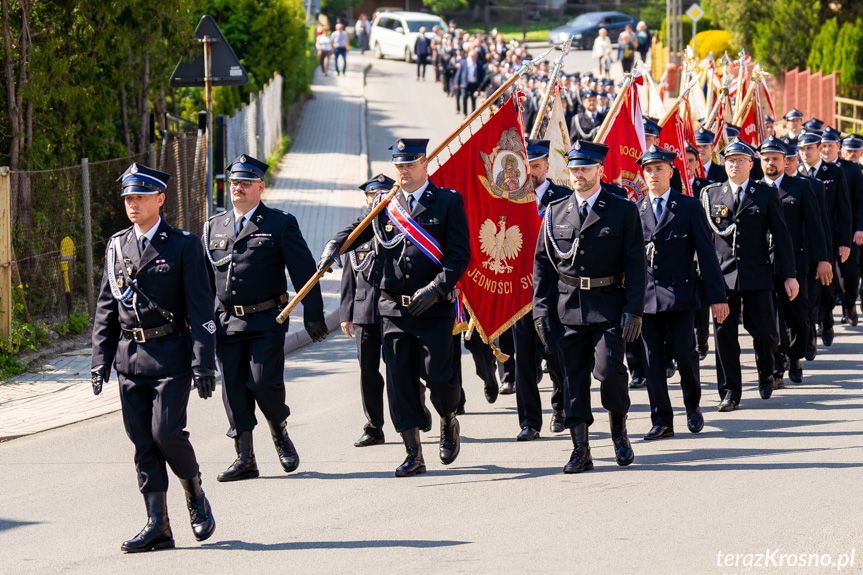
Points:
(240, 225)
(582, 213)
(811, 172)
(411, 202)
(143, 244)
(658, 208)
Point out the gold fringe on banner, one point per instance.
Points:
(489, 339)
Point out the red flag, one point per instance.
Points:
(672, 138)
(749, 129)
(625, 139)
(490, 170)
(689, 136)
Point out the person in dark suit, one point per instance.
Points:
(506, 369)
(794, 124)
(704, 140)
(416, 305)
(586, 124)
(422, 50)
(468, 77)
(675, 231)
(850, 152)
(741, 212)
(154, 324)
(839, 214)
(527, 344)
(249, 249)
(692, 159)
(589, 275)
(702, 315)
(358, 311)
(803, 220)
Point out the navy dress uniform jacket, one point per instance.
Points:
(717, 173)
(838, 202)
(803, 219)
(405, 269)
(268, 243)
(759, 212)
(360, 291)
(680, 234)
(610, 244)
(553, 193)
(854, 180)
(817, 187)
(172, 272)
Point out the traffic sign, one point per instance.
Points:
(695, 12)
(226, 67)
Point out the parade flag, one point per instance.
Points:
(689, 136)
(557, 133)
(650, 98)
(625, 139)
(752, 128)
(490, 171)
(672, 137)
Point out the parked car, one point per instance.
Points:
(586, 27)
(394, 34)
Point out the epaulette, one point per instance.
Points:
(121, 232)
(559, 200)
(713, 185)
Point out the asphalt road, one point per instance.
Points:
(783, 474)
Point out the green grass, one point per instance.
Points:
(536, 31)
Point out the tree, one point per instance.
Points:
(740, 18)
(822, 54)
(849, 52)
(776, 44)
(437, 6)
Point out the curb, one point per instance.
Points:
(300, 338)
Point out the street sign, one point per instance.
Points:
(695, 12)
(226, 67)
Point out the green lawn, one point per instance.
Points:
(536, 31)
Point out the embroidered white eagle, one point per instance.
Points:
(499, 246)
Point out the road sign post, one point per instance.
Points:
(695, 13)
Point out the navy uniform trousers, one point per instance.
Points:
(655, 331)
(369, 343)
(528, 372)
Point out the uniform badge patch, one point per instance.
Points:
(210, 326)
(388, 228)
(258, 218)
(164, 236)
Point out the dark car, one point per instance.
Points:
(586, 27)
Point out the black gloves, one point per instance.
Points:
(329, 255)
(424, 298)
(543, 329)
(631, 325)
(317, 330)
(204, 380)
(98, 376)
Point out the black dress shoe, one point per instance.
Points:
(702, 353)
(244, 466)
(670, 369)
(527, 434)
(369, 439)
(491, 391)
(795, 371)
(728, 404)
(827, 337)
(414, 464)
(765, 387)
(811, 350)
(507, 388)
(556, 425)
(156, 534)
(450, 444)
(637, 382)
(288, 456)
(580, 460)
(659, 432)
(200, 513)
(694, 420)
(622, 448)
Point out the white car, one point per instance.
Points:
(394, 34)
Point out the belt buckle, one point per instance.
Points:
(584, 283)
(138, 335)
(239, 311)
(406, 300)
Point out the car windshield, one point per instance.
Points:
(415, 25)
(585, 20)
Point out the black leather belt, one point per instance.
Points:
(402, 300)
(241, 310)
(141, 335)
(589, 283)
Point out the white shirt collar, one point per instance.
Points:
(664, 197)
(540, 190)
(247, 215)
(817, 165)
(777, 182)
(707, 165)
(149, 234)
(735, 188)
(590, 201)
(417, 193)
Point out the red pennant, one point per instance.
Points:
(625, 139)
(672, 138)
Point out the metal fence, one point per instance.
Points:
(256, 128)
(814, 94)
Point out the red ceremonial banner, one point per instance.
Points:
(625, 140)
(672, 138)
(490, 170)
(749, 127)
(689, 136)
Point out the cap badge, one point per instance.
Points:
(242, 159)
(652, 149)
(401, 146)
(381, 178)
(577, 145)
(134, 169)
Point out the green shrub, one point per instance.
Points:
(849, 52)
(822, 55)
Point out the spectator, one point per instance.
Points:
(468, 77)
(422, 49)
(436, 44)
(324, 46)
(340, 48)
(643, 36)
(602, 52)
(626, 45)
(363, 27)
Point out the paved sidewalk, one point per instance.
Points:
(316, 182)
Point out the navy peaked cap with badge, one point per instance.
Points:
(690, 148)
(852, 143)
(732, 130)
(774, 145)
(537, 149)
(589, 94)
(831, 135)
(247, 168)
(794, 114)
(651, 127)
(814, 124)
(408, 150)
(656, 154)
(738, 147)
(768, 120)
(704, 137)
(790, 147)
(138, 179)
(586, 153)
(808, 138)
(379, 182)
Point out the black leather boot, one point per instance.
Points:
(288, 455)
(622, 448)
(414, 463)
(449, 438)
(156, 534)
(245, 466)
(580, 460)
(200, 514)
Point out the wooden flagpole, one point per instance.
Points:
(612, 112)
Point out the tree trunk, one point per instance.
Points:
(144, 110)
(124, 114)
(15, 118)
